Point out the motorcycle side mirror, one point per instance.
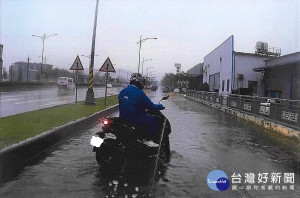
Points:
(165, 97)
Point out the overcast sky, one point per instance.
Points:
(186, 30)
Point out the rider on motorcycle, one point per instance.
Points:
(133, 103)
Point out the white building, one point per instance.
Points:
(244, 78)
(218, 68)
(227, 71)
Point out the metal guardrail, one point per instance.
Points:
(283, 111)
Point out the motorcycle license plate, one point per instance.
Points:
(110, 136)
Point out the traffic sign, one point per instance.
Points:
(107, 66)
(77, 64)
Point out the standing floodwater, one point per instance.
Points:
(202, 140)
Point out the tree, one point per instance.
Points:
(168, 80)
(173, 81)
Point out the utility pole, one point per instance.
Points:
(89, 99)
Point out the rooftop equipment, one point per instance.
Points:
(262, 48)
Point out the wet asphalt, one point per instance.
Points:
(29, 99)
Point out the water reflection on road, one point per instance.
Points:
(202, 139)
(15, 102)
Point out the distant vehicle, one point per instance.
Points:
(109, 86)
(269, 101)
(154, 88)
(176, 90)
(166, 90)
(265, 106)
(65, 83)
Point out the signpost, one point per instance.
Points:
(76, 66)
(107, 67)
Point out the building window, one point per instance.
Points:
(220, 59)
(223, 85)
(228, 82)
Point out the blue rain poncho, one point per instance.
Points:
(132, 105)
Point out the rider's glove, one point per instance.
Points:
(160, 107)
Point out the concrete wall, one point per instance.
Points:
(220, 60)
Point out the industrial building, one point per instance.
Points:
(263, 73)
(196, 74)
(281, 77)
(227, 71)
(27, 72)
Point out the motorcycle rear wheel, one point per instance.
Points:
(109, 158)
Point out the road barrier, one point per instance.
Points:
(280, 111)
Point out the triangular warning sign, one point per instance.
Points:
(77, 64)
(107, 66)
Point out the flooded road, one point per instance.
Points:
(202, 140)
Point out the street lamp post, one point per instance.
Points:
(140, 43)
(43, 37)
(143, 64)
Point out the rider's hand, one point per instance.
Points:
(161, 107)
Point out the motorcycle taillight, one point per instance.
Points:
(105, 121)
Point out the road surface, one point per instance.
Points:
(15, 102)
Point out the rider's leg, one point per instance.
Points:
(152, 130)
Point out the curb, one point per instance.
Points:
(15, 157)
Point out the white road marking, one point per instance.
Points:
(51, 103)
(30, 101)
(5, 100)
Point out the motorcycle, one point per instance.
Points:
(119, 146)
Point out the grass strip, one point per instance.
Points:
(19, 127)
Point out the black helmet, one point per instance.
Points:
(137, 80)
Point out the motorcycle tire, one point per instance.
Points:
(109, 158)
